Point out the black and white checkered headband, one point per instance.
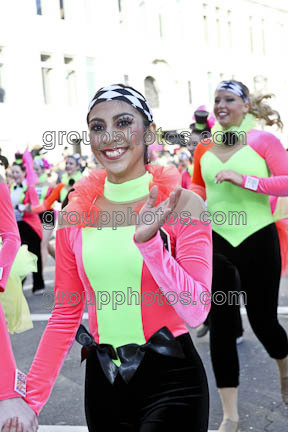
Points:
(234, 88)
(125, 94)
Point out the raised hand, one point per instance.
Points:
(152, 218)
(17, 416)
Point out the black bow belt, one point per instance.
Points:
(131, 355)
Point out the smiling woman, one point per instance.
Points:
(143, 372)
(112, 142)
(239, 177)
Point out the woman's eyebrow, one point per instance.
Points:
(114, 117)
(96, 118)
(119, 115)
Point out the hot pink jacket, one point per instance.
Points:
(11, 243)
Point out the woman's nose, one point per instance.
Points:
(109, 138)
(222, 103)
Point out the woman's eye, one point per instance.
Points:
(230, 100)
(97, 127)
(216, 101)
(124, 122)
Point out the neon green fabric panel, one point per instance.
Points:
(113, 263)
(227, 198)
(128, 191)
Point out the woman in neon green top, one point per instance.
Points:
(142, 371)
(237, 171)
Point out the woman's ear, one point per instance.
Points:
(246, 107)
(151, 132)
(152, 128)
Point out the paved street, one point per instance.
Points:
(261, 408)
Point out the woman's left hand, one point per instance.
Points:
(145, 231)
(229, 175)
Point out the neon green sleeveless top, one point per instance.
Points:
(236, 213)
(113, 265)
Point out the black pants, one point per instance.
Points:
(33, 241)
(165, 394)
(237, 322)
(258, 262)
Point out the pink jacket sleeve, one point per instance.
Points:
(11, 242)
(190, 271)
(33, 197)
(270, 148)
(62, 326)
(7, 362)
(9, 234)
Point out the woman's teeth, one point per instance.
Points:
(114, 153)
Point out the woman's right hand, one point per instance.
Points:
(17, 416)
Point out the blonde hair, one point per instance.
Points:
(262, 110)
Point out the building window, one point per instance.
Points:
(205, 29)
(189, 92)
(91, 76)
(70, 78)
(2, 79)
(218, 27)
(205, 24)
(38, 7)
(160, 27)
(68, 60)
(47, 77)
(251, 35)
(46, 83)
(263, 37)
(229, 26)
(151, 92)
(218, 33)
(2, 89)
(210, 87)
(62, 13)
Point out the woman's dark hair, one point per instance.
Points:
(146, 125)
(77, 160)
(4, 161)
(21, 165)
(66, 200)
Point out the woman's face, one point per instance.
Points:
(17, 174)
(229, 108)
(37, 168)
(193, 141)
(116, 136)
(70, 165)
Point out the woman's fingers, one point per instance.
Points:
(178, 192)
(35, 424)
(6, 426)
(12, 425)
(171, 200)
(151, 198)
